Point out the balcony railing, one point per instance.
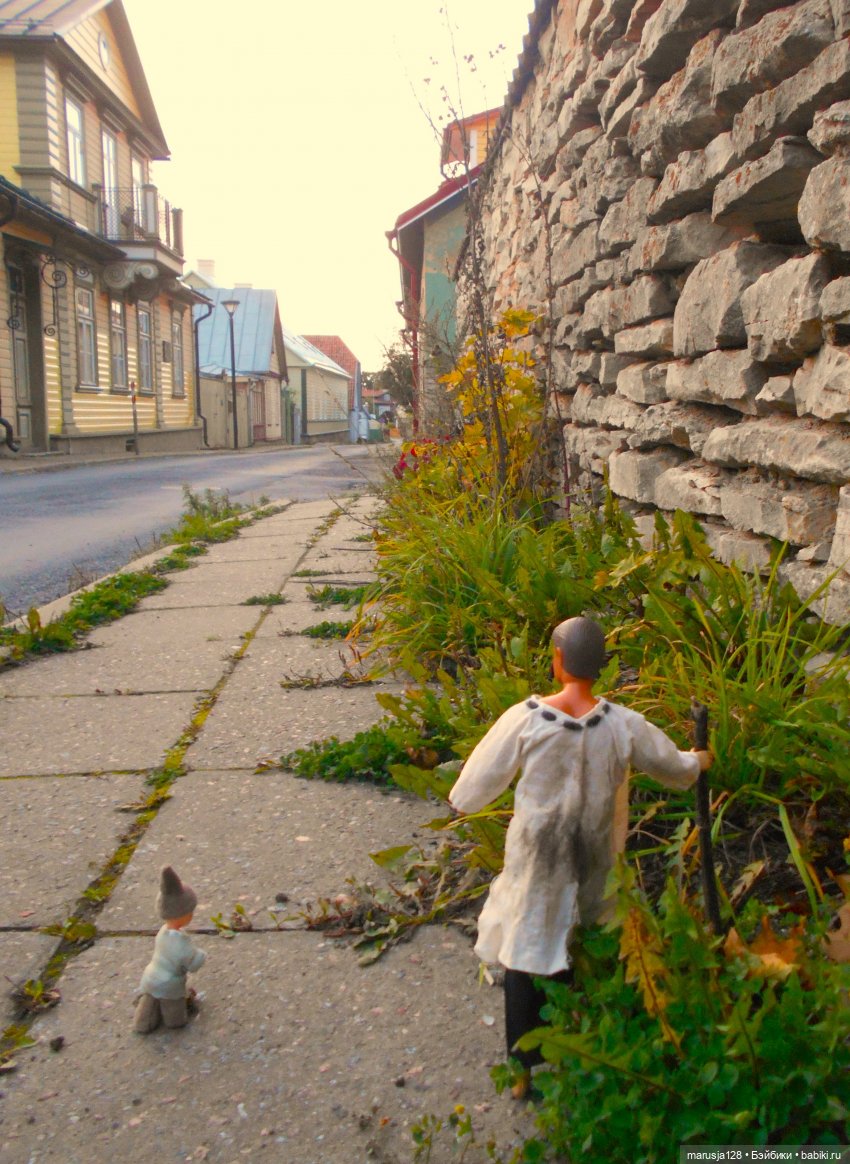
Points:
(139, 214)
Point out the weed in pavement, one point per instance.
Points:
(272, 599)
(345, 596)
(329, 630)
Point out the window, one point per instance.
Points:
(178, 384)
(118, 343)
(86, 337)
(76, 144)
(111, 208)
(137, 177)
(143, 316)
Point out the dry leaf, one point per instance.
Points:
(769, 955)
(837, 942)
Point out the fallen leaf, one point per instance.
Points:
(837, 942)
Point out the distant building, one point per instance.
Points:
(264, 406)
(96, 354)
(320, 387)
(336, 348)
(426, 240)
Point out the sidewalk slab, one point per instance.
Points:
(250, 724)
(46, 736)
(237, 837)
(218, 584)
(338, 562)
(298, 1055)
(269, 549)
(292, 658)
(148, 650)
(295, 616)
(23, 956)
(56, 834)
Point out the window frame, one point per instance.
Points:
(178, 368)
(145, 342)
(118, 355)
(86, 325)
(75, 138)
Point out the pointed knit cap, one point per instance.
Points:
(174, 898)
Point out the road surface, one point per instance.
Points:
(60, 530)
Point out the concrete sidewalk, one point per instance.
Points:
(299, 1054)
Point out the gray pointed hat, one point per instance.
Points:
(174, 898)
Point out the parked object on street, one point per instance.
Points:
(570, 818)
(164, 997)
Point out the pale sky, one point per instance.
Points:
(296, 137)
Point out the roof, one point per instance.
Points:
(442, 194)
(51, 20)
(337, 349)
(21, 201)
(307, 353)
(254, 323)
(457, 127)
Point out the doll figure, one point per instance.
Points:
(163, 986)
(569, 823)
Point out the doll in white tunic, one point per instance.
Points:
(570, 818)
(163, 986)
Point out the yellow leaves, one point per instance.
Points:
(768, 955)
(644, 965)
(837, 942)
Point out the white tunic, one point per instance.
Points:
(174, 956)
(570, 819)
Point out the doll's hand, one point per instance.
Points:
(705, 758)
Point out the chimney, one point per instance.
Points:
(206, 268)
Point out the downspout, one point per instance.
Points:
(11, 443)
(410, 335)
(198, 412)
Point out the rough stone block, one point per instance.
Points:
(620, 118)
(806, 449)
(752, 60)
(620, 88)
(839, 554)
(620, 226)
(796, 512)
(575, 252)
(677, 245)
(641, 12)
(830, 132)
(747, 551)
(782, 310)
(680, 116)
(751, 11)
(610, 367)
(835, 311)
(767, 189)
(685, 426)
(592, 448)
(841, 16)
(729, 378)
(634, 475)
(645, 383)
(824, 209)
(608, 311)
(777, 396)
(604, 411)
(650, 341)
(669, 33)
(790, 107)
(822, 385)
(708, 314)
(688, 183)
(693, 487)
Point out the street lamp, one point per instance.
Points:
(230, 306)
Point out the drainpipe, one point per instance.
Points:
(198, 412)
(7, 216)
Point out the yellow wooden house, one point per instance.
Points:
(96, 340)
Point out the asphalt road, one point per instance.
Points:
(62, 529)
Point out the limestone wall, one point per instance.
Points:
(673, 182)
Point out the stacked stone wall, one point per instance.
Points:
(672, 190)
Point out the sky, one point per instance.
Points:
(300, 131)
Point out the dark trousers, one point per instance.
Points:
(523, 1002)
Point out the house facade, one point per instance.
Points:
(426, 241)
(264, 404)
(96, 354)
(320, 388)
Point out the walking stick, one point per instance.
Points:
(699, 713)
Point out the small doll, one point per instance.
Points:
(570, 819)
(163, 987)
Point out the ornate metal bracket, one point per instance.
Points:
(55, 278)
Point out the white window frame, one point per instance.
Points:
(75, 133)
(119, 380)
(145, 348)
(84, 307)
(178, 373)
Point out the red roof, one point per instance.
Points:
(447, 190)
(338, 351)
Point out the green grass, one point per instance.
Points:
(329, 630)
(346, 596)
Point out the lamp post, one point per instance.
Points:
(230, 306)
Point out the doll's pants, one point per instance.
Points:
(150, 1012)
(523, 1003)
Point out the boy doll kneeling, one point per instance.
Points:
(163, 986)
(570, 818)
